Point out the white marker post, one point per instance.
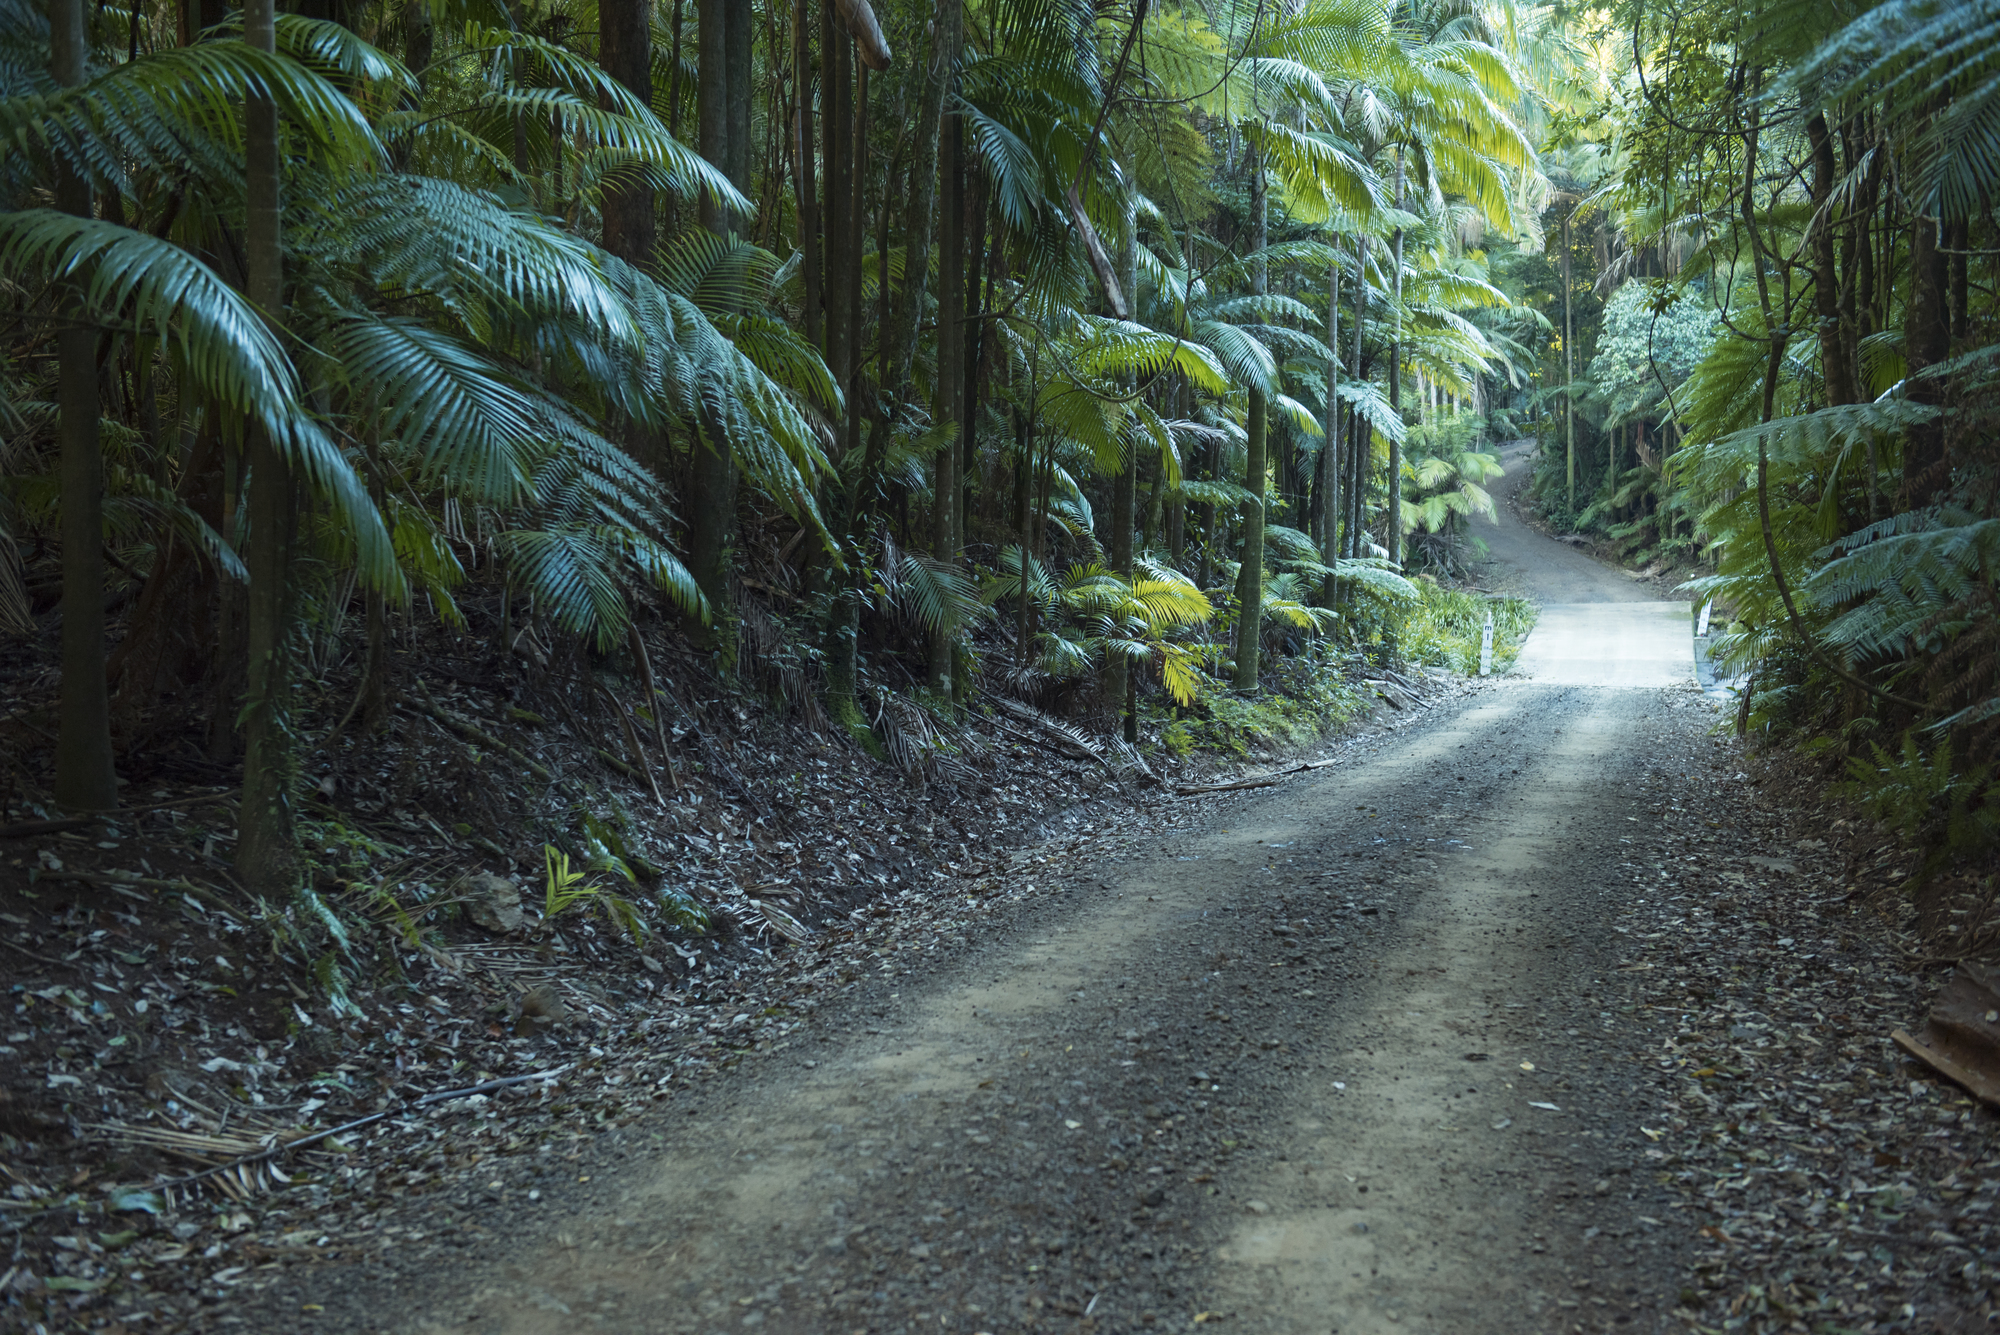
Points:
(1701, 627)
(1486, 646)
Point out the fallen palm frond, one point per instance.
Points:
(783, 923)
(250, 1168)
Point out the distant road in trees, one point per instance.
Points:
(1599, 626)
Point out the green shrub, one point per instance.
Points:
(1444, 628)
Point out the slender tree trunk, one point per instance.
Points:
(1393, 524)
(86, 777)
(1250, 576)
(266, 855)
(711, 505)
(738, 93)
(837, 68)
(846, 168)
(1836, 361)
(811, 267)
(419, 41)
(1024, 501)
(899, 339)
(1357, 483)
(1357, 475)
(1569, 375)
(973, 340)
(1957, 238)
(1926, 342)
(1327, 508)
(374, 695)
(676, 28)
(198, 15)
(950, 381)
(1124, 486)
(625, 50)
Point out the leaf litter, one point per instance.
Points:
(1829, 1184)
(183, 1121)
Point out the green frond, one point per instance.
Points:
(130, 279)
(472, 426)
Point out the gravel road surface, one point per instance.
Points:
(1348, 1055)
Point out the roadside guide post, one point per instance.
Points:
(1486, 646)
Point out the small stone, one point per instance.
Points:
(494, 901)
(1257, 1207)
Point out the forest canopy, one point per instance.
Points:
(1113, 358)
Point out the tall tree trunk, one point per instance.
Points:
(1357, 473)
(1569, 375)
(1836, 360)
(811, 267)
(1926, 342)
(373, 698)
(1250, 576)
(712, 472)
(1326, 498)
(739, 93)
(837, 190)
(674, 102)
(266, 855)
(86, 777)
(972, 341)
(419, 40)
(1958, 238)
(899, 337)
(198, 15)
(1393, 524)
(625, 50)
(1118, 685)
(950, 375)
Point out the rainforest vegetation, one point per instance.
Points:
(1129, 359)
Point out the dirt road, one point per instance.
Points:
(1350, 1055)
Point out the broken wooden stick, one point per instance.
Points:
(1254, 781)
(638, 643)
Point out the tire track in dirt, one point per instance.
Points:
(1119, 1112)
(1429, 1192)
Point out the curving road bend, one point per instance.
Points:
(1346, 1056)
